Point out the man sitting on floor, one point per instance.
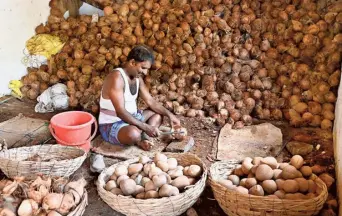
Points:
(120, 121)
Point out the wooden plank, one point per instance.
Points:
(23, 131)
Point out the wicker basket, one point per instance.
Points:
(79, 210)
(64, 161)
(167, 206)
(234, 203)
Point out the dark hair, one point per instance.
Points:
(141, 53)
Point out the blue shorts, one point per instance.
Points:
(109, 132)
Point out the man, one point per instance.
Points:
(121, 123)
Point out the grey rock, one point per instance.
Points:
(181, 146)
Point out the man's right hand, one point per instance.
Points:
(151, 131)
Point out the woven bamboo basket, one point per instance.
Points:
(64, 161)
(167, 206)
(79, 210)
(236, 204)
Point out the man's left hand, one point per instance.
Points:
(174, 121)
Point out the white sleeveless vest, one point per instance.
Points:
(130, 101)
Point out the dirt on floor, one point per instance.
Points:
(205, 133)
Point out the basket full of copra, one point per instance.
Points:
(51, 160)
(167, 184)
(262, 186)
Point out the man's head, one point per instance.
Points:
(139, 61)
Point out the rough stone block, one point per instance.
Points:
(256, 140)
(181, 146)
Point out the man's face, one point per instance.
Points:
(139, 69)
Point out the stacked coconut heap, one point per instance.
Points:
(228, 59)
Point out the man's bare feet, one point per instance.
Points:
(146, 145)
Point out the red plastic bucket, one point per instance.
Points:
(73, 128)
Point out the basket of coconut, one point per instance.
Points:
(43, 196)
(51, 160)
(167, 184)
(262, 186)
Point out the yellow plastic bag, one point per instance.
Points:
(15, 86)
(44, 44)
